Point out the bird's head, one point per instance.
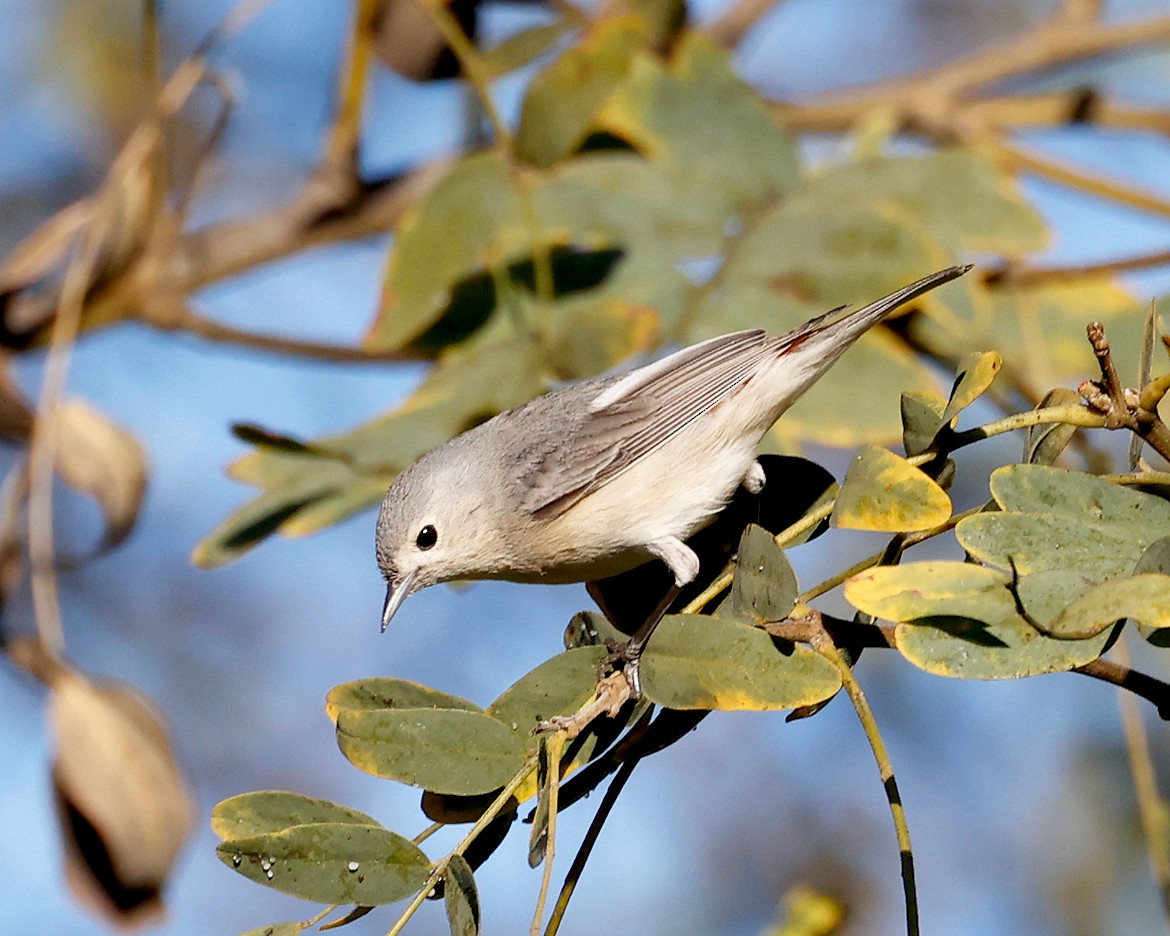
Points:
(431, 528)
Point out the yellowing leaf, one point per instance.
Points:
(931, 589)
(886, 493)
(975, 373)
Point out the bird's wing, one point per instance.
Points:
(635, 414)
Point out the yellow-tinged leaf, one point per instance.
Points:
(931, 589)
(886, 493)
(974, 374)
(1144, 598)
(589, 339)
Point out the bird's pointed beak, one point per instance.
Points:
(396, 593)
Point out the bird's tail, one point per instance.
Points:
(832, 335)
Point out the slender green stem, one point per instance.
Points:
(310, 923)
(828, 649)
(427, 833)
(1070, 415)
(554, 745)
(482, 823)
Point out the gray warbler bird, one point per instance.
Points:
(596, 478)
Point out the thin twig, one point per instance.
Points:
(553, 746)
(1021, 275)
(612, 792)
(737, 20)
(824, 645)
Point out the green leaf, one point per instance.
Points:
(700, 662)
(559, 107)
(330, 863)
(306, 491)
(1043, 444)
(384, 692)
(591, 337)
(470, 221)
(922, 418)
(1058, 519)
(277, 929)
(694, 114)
(1009, 649)
(884, 492)
(764, 588)
(445, 750)
(1156, 558)
(960, 197)
(557, 687)
(461, 898)
(272, 810)
(975, 373)
(518, 50)
(1144, 598)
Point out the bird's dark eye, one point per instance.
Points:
(427, 537)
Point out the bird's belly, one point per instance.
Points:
(672, 492)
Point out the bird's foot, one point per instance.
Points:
(613, 691)
(624, 658)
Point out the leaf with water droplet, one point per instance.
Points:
(312, 862)
(272, 810)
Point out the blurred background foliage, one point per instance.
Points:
(638, 176)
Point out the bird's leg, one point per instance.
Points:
(682, 561)
(753, 482)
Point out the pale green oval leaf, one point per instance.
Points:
(886, 493)
(700, 662)
(1144, 598)
(1156, 558)
(331, 863)
(273, 810)
(444, 750)
(1009, 649)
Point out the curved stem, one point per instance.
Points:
(825, 646)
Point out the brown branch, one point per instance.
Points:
(932, 96)
(737, 20)
(1017, 274)
(1152, 690)
(1122, 408)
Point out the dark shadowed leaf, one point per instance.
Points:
(700, 662)
(445, 750)
(764, 588)
(1043, 444)
(330, 862)
(921, 420)
(272, 810)
(462, 898)
(886, 493)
